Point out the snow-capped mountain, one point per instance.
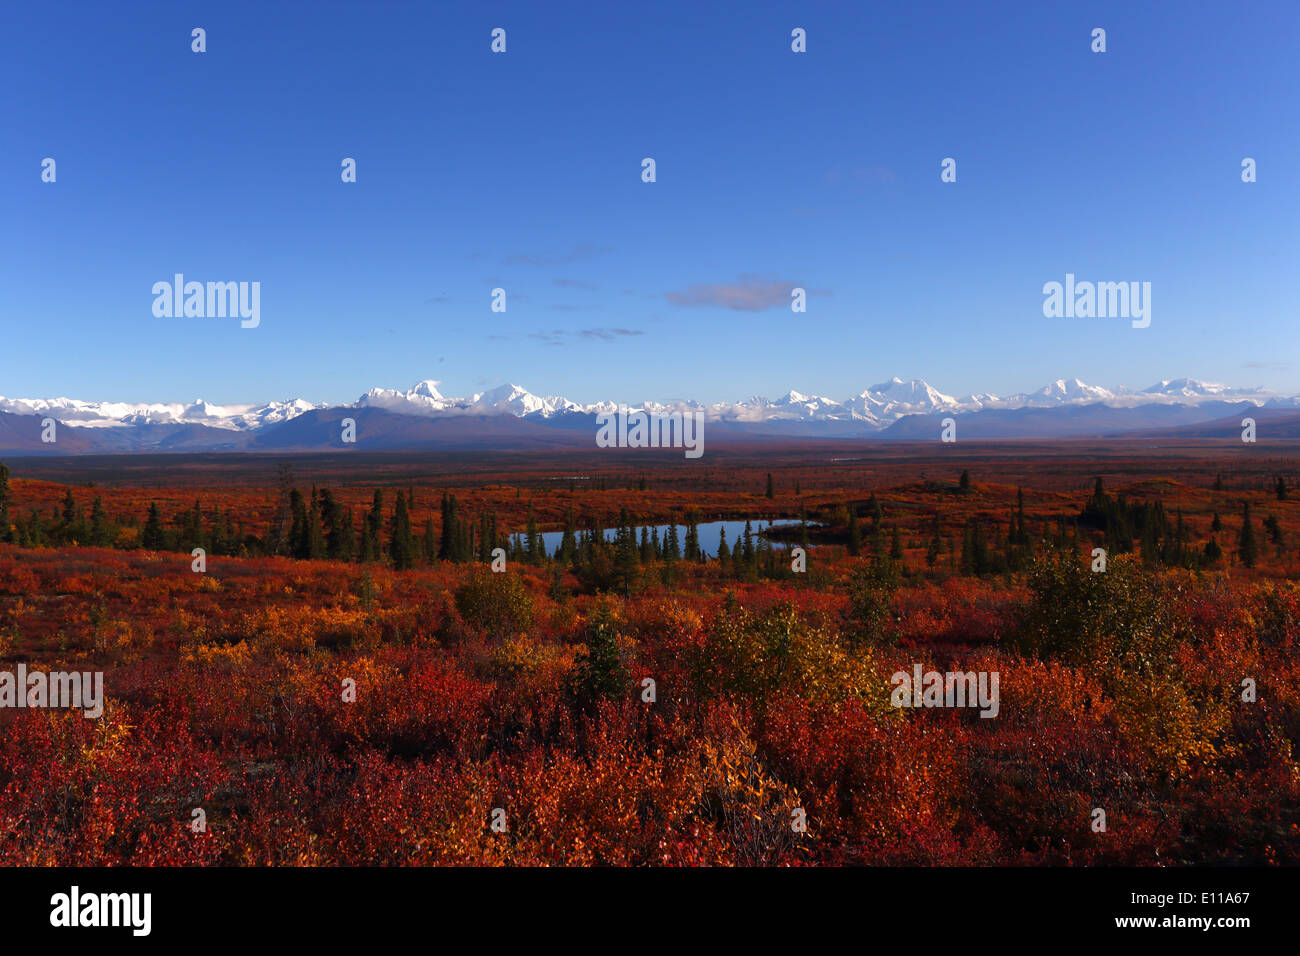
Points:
(71, 411)
(877, 409)
(1192, 388)
(1061, 392)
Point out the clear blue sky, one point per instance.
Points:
(523, 171)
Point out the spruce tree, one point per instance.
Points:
(315, 537)
(568, 541)
(347, 538)
(534, 540)
(153, 537)
(374, 527)
(6, 533)
(401, 547)
(693, 551)
(69, 511)
(299, 533)
(99, 534)
(1247, 549)
(936, 543)
(671, 550)
(331, 514)
(601, 672)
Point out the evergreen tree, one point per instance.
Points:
(693, 551)
(401, 545)
(6, 532)
(299, 532)
(963, 483)
(372, 523)
(626, 556)
(69, 511)
(1247, 549)
(771, 491)
(315, 537)
(535, 549)
(601, 672)
(153, 537)
(568, 541)
(671, 552)
(874, 511)
(278, 533)
(347, 538)
(34, 533)
(450, 531)
(1273, 531)
(1280, 488)
(331, 514)
(99, 533)
(936, 543)
(896, 545)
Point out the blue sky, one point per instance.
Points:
(523, 170)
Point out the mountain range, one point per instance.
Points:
(511, 417)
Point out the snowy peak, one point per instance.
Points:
(511, 398)
(917, 393)
(83, 414)
(427, 389)
(1193, 388)
(872, 409)
(1071, 390)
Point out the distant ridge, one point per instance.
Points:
(510, 416)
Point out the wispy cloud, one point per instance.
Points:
(581, 251)
(1271, 366)
(576, 284)
(747, 294)
(608, 334)
(563, 336)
